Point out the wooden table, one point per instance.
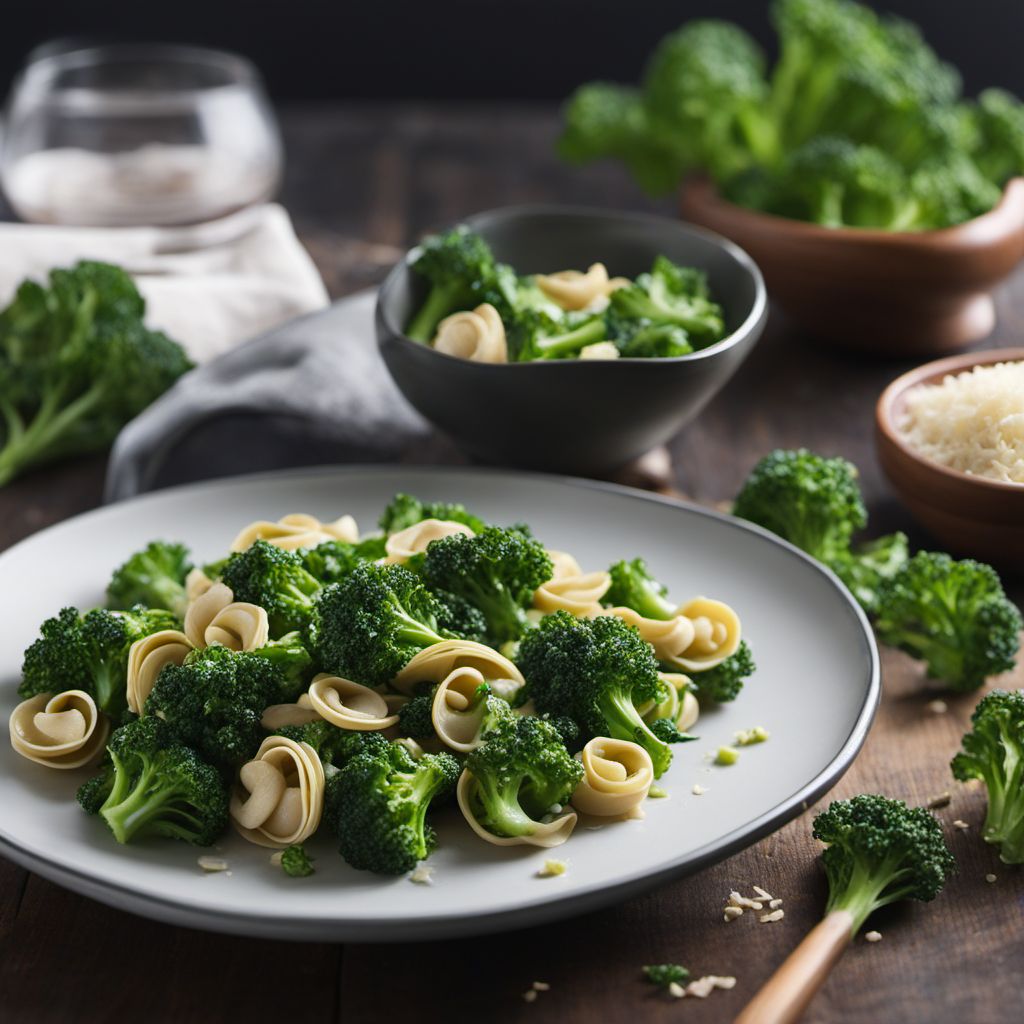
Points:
(362, 183)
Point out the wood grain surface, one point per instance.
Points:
(363, 182)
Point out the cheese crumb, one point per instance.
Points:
(742, 901)
(938, 707)
(541, 986)
(990, 878)
(657, 793)
(702, 987)
(552, 869)
(747, 737)
(960, 824)
(775, 915)
(530, 995)
(726, 981)
(422, 875)
(732, 912)
(698, 789)
(774, 904)
(873, 937)
(762, 893)
(676, 991)
(726, 756)
(212, 864)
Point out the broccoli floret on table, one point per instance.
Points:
(377, 806)
(880, 851)
(157, 787)
(664, 975)
(724, 682)
(520, 772)
(993, 751)
(597, 672)
(153, 577)
(865, 569)
(952, 615)
(404, 511)
(296, 863)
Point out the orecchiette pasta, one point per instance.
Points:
(564, 565)
(62, 731)
(146, 659)
(197, 583)
(277, 715)
(579, 595)
(216, 618)
(458, 710)
(413, 540)
(434, 663)
(685, 708)
(572, 289)
(203, 610)
(669, 637)
(279, 799)
(478, 335)
(617, 777)
(546, 834)
(349, 705)
(600, 350)
(298, 530)
(716, 634)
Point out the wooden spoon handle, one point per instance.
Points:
(787, 992)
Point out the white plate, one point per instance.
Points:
(815, 690)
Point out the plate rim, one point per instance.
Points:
(451, 925)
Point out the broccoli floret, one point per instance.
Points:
(276, 580)
(535, 334)
(334, 745)
(880, 851)
(643, 339)
(76, 363)
(496, 571)
(632, 586)
(724, 682)
(415, 718)
(153, 577)
(457, 617)
(951, 189)
(296, 863)
(807, 499)
(864, 568)
(597, 672)
(404, 511)
(460, 268)
(371, 623)
(952, 615)
(89, 652)
(993, 751)
(214, 702)
(157, 787)
(664, 975)
(377, 806)
(668, 732)
(330, 561)
(999, 118)
(92, 794)
(292, 663)
(519, 773)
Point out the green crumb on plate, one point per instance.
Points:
(657, 793)
(726, 755)
(747, 737)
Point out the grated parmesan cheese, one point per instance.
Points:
(972, 422)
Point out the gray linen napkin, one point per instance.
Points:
(311, 392)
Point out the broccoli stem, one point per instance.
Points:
(863, 892)
(413, 631)
(505, 816)
(1004, 820)
(440, 302)
(131, 813)
(624, 723)
(573, 341)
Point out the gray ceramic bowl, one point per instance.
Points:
(574, 416)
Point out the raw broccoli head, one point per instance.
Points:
(863, 570)
(153, 577)
(634, 587)
(334, 745)
(296, 863)
(333, 559)
(597, 672)
(520, 772)
(377, 806)
(993, 751)
(496, 570)
(404, 511)
(724, 682)
(1000, 122)
(89, 652)
(809, 500)
(371, 623)
(276, 580)
(952, 615)
(214, 702)
(879, 851)
(157, 787)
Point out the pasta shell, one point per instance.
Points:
(63, 731)
(478, 336)
(564, 565)
(579, 595)
(716, 635)
(457, 712)
(279, 798)
(147, 658)
(203, 610)
(546, 834)
(278, 715)
(413, 540)
(617, 777)
(240, 626)
(668, 637)
(433, 664)
(297, 530)
(197, 583)
(572, 289)
(682, 706)
(349, 705)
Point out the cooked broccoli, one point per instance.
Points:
(334, 745)
(949, 190)
(153, 577)
(214, 702)
(404, 511)
(377, 806)
(292, 663)
(668, 732)
(371, 623)
(76, 363)
(812, 501)
(296, 863)
(415, 719)
(519, 773)
(457, 617)
(999, 118)
(632, 586)
(952, 615)
(496, 570)
(330, 561)
(864, 568)
(880, 851)
(89, 652)
(534, 334)
(643, 339)
(459, 266)
(993, 751)
(276, 580)
(724, 682)
(597, 672)
(664, 975)
(157, 787)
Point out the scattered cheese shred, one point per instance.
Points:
(873, 937)
(422, 875)
(972, 422)
(212, 864)
(990, 878)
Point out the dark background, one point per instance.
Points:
(473, 49)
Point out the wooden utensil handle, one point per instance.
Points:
(787, 992)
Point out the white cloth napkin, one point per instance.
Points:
(209, 286)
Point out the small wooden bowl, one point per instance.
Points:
(896, 293)
(970, 515)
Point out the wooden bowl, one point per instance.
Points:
(970, 515)
(909, 293)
